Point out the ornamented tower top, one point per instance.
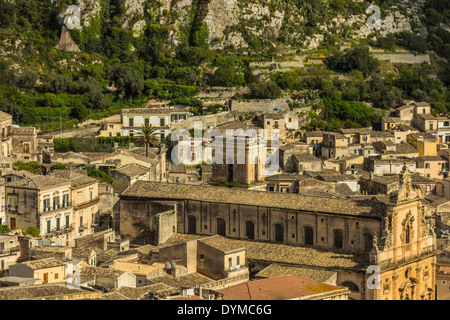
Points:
(406, 191)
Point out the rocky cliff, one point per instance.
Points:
(241, 22)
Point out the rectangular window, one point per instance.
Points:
(13, 204)
(238, 260)
(49, 226)
(230, 262)
(161, 122)
(56, 202)
(131, 122)
(427, 165)
(65, 200)
(147, 121)
(58, 223)
(67, 221)
(46, 204)
(2, 246)
(91, 194)
(111, 127)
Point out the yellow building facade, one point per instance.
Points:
(406, 257)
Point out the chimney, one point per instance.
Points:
(24, 248)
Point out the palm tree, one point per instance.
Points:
(148, 136)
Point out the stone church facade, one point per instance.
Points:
(396, 235)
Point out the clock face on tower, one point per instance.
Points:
(72, 18)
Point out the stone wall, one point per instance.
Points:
(212, 120)
(199, 217)
(166, 225)
(262, 105)
(404, 58)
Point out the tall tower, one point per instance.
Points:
(406, 253)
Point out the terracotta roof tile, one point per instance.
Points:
(156, 190)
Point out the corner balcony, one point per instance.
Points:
(60, 231)
(83, 227)
(86, 204)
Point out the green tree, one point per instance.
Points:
(33, 231)
(358, 58)
(80, 112)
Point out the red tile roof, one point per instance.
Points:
(279, 288)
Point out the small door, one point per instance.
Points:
(13, 223)
(46, 277)
(192, 224)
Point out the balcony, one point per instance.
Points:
(12, 250)
(12, 208)
(62, 230)
(85, 204)
(55, 208)
(83, 227)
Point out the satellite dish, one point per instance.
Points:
(167, 266)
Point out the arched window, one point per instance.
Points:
(249, 230)
(309, 236)
(351, 286)
(368, 242)
(337, 239)
(221, 229)
(279, 233)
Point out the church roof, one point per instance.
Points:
(289, 201)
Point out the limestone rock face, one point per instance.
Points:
(231, 22)
(89, 9)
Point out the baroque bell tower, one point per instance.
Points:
(406, 253)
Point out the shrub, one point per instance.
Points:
(4, 228)
(32, 166)
(33, 231)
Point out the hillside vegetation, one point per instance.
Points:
(134, 50)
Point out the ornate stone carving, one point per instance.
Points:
(387, 232)
(375, 243)
(406, 190)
